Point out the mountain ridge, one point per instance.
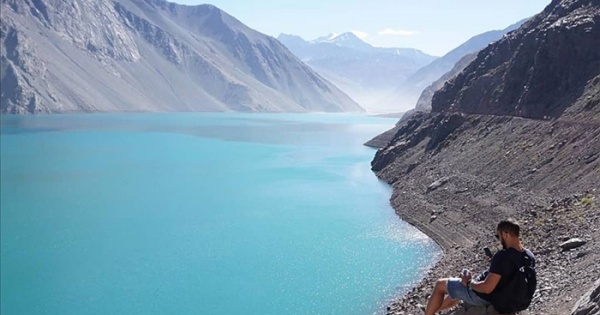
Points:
(346, 39)
(134, 55)
(409, 91)
(520, 86)
(363, 71)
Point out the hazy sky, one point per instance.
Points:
(434, 26)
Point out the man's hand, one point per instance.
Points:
(466, 279)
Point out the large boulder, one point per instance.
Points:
(572, 243)
(589, 304)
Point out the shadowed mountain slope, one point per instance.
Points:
(539, 71)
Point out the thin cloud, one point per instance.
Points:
(360, 34)
(397, 32)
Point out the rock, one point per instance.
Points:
(572, 243)
(591, 158)
(581, 254)
(589, 304)
(438, 183)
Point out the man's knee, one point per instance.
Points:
(441, 286)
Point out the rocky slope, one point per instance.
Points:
(407, 93)
(364, 72)
(424, 101)
(589, 304)
(538, 72)
(516, 134)
(148, 55)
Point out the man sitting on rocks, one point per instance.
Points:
(450, 291)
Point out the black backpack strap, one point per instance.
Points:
(526, 258)
(524, 261)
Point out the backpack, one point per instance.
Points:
(518, 293)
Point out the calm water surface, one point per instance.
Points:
(199, 214)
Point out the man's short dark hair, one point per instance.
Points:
(510, 225)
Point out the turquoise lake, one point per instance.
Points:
(200, 214)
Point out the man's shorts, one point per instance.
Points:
(458, 291)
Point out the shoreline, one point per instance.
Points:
(460, 251)
(491, 171)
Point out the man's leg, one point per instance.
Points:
(448, 303)
(437, 297)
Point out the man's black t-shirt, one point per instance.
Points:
(504, 264)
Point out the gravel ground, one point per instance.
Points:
(545, 174)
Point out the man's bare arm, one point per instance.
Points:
(488, 285)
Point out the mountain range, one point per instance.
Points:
(149, 55)
(364, 72)
(407, 93)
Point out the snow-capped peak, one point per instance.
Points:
(326, 39)
(338, 38)
(347, 39)
(332, 36)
